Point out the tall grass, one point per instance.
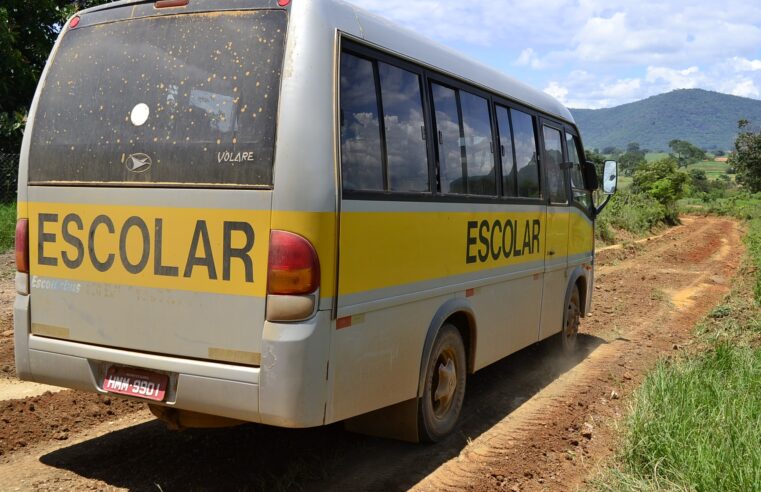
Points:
(634, 212)
(7, 226)
(696, 425)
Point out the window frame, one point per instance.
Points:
(457, 86)
(573, 132)
(428, 74)
(560, 127)
(375, 57)
(535, 119)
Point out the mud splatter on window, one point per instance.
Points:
(196, 77)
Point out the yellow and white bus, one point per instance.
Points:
(292, 213)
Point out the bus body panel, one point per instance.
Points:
(386, 266)
(139, 277)
(556, 271)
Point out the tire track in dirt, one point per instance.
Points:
(514, 453)
(534, 421)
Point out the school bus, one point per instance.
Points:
(292, 213)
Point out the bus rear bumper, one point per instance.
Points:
(197, 386)
(288, 390)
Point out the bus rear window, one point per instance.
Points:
(183, 99)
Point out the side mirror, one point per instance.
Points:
(591, 181)
(609, 183)
(610, 178)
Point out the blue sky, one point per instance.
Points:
(599, 53)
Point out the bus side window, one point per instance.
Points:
(553, 150)
(464, 140)
(404, 123)
(361, 161)
(451, 169)
(476, 124)
(525, 154)
(581, 196)
(509, 176)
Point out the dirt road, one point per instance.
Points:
(534, 421)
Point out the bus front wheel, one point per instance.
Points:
(444, 385)
(571, 320)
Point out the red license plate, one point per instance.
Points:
(136, 382)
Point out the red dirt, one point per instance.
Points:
(55, 416)
(534, 421)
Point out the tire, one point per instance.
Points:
(444, 386)
(571, 320)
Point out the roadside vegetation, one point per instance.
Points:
(695, 423)
(7, 226)
(654, 187)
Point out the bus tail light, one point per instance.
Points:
(293, 277)
(293, 267)
(22, 246)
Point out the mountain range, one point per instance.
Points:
(706, 119)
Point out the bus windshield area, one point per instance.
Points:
(180, 99)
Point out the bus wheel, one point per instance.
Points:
(444, 388)
(571, 319)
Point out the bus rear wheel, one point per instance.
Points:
(444, 385)
(571, 320)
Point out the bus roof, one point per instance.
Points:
(404, 42)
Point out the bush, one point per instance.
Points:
(662, 181)
(635, 212)
(7, 226)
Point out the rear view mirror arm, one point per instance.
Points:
(600, 207)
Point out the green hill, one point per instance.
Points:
(704, 118)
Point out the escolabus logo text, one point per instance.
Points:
(138, 163)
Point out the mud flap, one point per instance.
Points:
(398, 421)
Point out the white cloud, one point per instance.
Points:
(745, 88)
(581, 90)
(557, 91)
(740, 64)
(529, 58)
(688, 78)
(596, 53)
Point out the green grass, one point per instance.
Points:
(655, 156)
(696, 425)
(712, 169)
(637, 213)
(624, 182)
(695, 422)
(7, 226)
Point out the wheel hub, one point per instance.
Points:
(447, 384)
(572, 321)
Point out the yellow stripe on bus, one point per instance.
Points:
(193, 249)
(384, 249)
(164, 247)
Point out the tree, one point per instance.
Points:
(594, 156)
(630, 160)
(28, 29)
(663, 181)
(746, 159)
(685, 153)
(699, 180)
